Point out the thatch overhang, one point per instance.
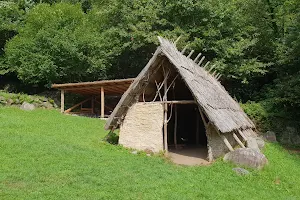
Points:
(212, 98)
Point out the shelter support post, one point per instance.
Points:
(238, 140)
(93, 104)
(197, 129)
(175, 127)
(165, 98)
(225, 140)
(102, 102)
(62, 101)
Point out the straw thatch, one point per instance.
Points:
(221, 110)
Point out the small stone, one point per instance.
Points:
(241, 171)
(270, 136)
(27, 106)
(148, 154)
(134, 152)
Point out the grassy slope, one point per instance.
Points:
(46, 155)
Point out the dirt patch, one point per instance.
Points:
(189, 156)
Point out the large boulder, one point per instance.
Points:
(270, 136)
(247, 157)
(27, 106)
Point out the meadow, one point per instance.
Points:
(47, 155)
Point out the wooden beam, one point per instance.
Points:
(93, 105)
(175, 127)
(76, 105)
(177, 40)
(102, 102)
(238, 140)
(165, 98)
(224, 140)
(197, 57)
(62, 101)
(197, 129)
(199, 63)
(206, 64)
(242, 134)
(184, 49)
(191, 53)
(174, 102)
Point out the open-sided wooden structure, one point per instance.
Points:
(94, 92)
(178, 100)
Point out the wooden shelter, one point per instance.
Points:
(95, 93)
(177, 101)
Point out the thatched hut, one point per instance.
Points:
(176, 101)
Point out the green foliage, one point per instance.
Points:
(58, 45)
(259, 114)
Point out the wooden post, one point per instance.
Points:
(197, 128)
(226, 142)
(102, 103)
(238, 140)
(175, 127)
(165, 98)
(93, 105)
(62, 101)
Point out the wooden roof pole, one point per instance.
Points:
(165, 98)
(102, 102)
(62, 101)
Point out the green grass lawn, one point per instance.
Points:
(47, 155)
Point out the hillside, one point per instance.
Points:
(47, 155)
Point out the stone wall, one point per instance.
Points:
(216, 146)
(142, 127)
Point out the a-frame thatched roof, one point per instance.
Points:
(219, 107)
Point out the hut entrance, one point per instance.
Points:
(187, 141)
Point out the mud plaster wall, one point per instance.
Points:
(216, 146)
(142, 127)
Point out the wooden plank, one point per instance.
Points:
(62, 101)
(102, 102)
(76, 105)
(174, 102)
(238, 140)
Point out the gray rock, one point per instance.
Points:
(47, 105)
(290, 136)
(27, 106)
(247, 157)
(252, 143)
(260, 142)
(241, 171)
(148, 154)
(134, 152)
(270, 136)
(9, 102)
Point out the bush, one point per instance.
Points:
(112, 138)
